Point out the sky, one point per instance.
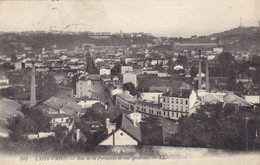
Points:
(171, 18)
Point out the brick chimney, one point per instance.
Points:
(199, 84)
(207, 76)
(33, 90)
(77, 135)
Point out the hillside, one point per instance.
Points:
(240, 39)
(9, 42)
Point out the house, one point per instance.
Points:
(218, 50)
(4, 82)
(130, 77)
(254, 99)
(104, 71)
(149, 108)
(177, 104)
(62, 120)
(243, 78)
(126, 101)
(126, 68)
(162, 74)
(83, 88)
(122, 131)
(222, 97)
(87, 102)
(57, 105)
(152, 96)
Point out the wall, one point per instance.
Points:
(121, 138)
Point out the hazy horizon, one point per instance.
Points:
(177, 18)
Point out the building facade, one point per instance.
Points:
(176, 105)
(125, 69)
(83, 88)
(130, 77)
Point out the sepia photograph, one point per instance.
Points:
(130, 81)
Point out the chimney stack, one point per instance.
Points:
(107, 122)
(207, 76)
(33, 91)
(199, 84)
(77, 135)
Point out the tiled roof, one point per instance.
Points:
(182, 94)
(212, 99)
(126, 124)
(234, 99)
(66, 105)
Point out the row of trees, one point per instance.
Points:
(33, 121)
(218, 127)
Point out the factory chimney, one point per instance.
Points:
(207, 76)
(199, 84)
(33, 91)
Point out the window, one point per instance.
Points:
(181, 108)
(172, 114)
(181, 101)
(177, 101)
(177, 108)
(177, 114)
(168, 100)
(164, 99)
(164, 113)
(168, 113)
(186, 101)
(121, 134)
(172, 100)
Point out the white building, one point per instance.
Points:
(87, 103)
(130, 77)
(218, 50)
(122, 131)
(83, 88)
(125, 69)
(254, 99)
(18, 65)
(152, 96)
(4, 82)
(105, 71)
(162, 74)
(175, 105)
(126, 101)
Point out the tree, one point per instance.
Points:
(151, 131)
(116, 70)
(182, 60)
(34, 121)
(131, 88)
(193, 71)
(215, 126)
(46, 86)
